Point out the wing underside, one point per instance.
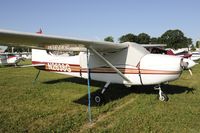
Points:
(50, 42)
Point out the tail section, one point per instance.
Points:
(40, 31)
(64, 64)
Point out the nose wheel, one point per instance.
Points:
(161, 95)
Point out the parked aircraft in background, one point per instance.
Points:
(25, 55)
(126, 63)
(159, 49)
(3, 48)
(195, 56)
(10, 59)
(185, 54)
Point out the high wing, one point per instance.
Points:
(50, 42)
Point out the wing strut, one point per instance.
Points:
(109, 64)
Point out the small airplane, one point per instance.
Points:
(121, 63)
(9, 59)
(159, 49)
(184, 54)
(195, 56)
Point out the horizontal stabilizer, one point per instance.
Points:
(33, 65)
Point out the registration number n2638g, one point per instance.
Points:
(58, 67)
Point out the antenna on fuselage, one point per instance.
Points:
(36, 77)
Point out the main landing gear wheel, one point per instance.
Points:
(99, 99)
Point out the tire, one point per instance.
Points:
(99, 99)
(163, 97)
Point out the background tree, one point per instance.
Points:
(198, 44)
(109, 39)
(128, 38)
(175, 39)
(189, 42)
(143, 38)
(154, 40)
(193, 48)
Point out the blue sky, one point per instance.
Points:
(96, 19)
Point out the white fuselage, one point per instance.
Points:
(136, 63)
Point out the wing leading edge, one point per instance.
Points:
(50, 42)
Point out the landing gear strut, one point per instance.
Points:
(99, 98)
(162, 96)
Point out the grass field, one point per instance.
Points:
(57, 103)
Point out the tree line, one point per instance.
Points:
(173, 38)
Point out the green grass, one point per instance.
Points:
(58, 103)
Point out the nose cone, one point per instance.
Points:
(190, 63)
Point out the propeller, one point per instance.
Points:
(187, 64)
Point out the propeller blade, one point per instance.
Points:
(190, 71)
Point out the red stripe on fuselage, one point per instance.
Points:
(108, 70)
